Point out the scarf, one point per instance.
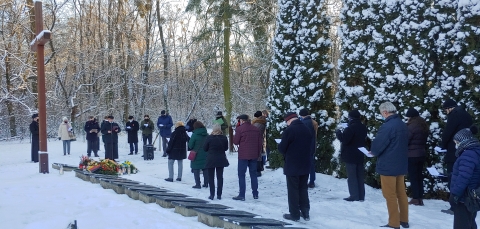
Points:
(464, 145)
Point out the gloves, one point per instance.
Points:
(453, 199)
(59, 138)
(70, 129)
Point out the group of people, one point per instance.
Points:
(400, 149)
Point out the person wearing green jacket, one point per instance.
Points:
(147, 126)
(196, 144)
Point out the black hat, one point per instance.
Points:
(110, 117)
(34, 116)
(146, 116)
(465, 134)
(303, 112)
(450, 103)
(257, 114)
(130, 117)
(289, 115)
(162, 112)
(219, 114)
(243, 117)
(412, 112)
(354, 114)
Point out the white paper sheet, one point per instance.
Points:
(189, 134)
(343, 125)
(433, 171)
(440, 150)
(278, 140)
(365, 151)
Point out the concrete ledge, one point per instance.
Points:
(95, 178)
(187, 209)
(166, 201)
(211, 217)
(83, 175)
(132, 190)
(149, 196)
(231, 222)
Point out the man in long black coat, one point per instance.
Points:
(110, 132)
(295, 148)
(92, 128)
(457, 119)
(132, 128)
(35, 138)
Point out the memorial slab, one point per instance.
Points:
(149, 196)
(166, 201)
(188, 208)
(211, 217)
(275, 227)
(132, 190)
(232, 222)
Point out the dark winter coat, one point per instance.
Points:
(309, 123)
(34, 129)
(249, 141)
(89, 126)
(352, 138)
(417, 139)
(391, 147)
(166, 129)
(147, 130)
(457, 119)
(261, 124)
(189, 126)
(215, 146)
(177, 146)
(195, 143)
(113, 136)
(466, 171)
(295, 148)
(132, 131)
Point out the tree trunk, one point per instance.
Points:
(226, 62)
(165, 57)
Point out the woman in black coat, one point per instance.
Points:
(417, 141)
(177, 150)
(35, 137)
(352, 138)
(215, 145)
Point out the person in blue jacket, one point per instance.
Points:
(164, 124)
(465, 176)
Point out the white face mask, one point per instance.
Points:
(456, 146)
(131, 120)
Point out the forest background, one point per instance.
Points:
(136, 57)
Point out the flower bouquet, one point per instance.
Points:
(84, 160)
(128, 165)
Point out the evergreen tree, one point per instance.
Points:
(301, 75)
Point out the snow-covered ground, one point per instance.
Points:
(29, 199)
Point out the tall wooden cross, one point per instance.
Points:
(38, 44)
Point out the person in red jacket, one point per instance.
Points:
(249, 141)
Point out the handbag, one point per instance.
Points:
(472, 200)
(192, 155)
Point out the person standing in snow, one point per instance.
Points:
(312, 127)
(110, 132)
(34, 129)
(390, 146)
(177, 150)
(65, 133)
(457, 119)
(352, 138)
(164, 124)
(132, 128)
(261, 123)
(196, 143)
(92, 129)
(220, 120)
(295, 147)
(417, 142)
(215, 145)
(147, 127)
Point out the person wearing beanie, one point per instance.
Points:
(164, 124)
(34, 129)
(132, 128)
(312, 126)
(390, 146)
(418, 132)
(65, 133)
(147, 127)
(249, 140)
(457, 119)
(261, 123)
(465, 176)
(92, 129)
(110, 132)
(352, 138)
(177, 150)
(295, 147)
(196, 142)
(220, 120)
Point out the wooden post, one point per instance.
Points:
(38, 44)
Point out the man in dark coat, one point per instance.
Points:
(92, 128)
(164, 124)
(35, 138)
(312, 127)
(295, 147)
(261, 123)
(390, 146)
(132, 128)
(249, 141)
(457, 119)
(352, 138)
(110, 132)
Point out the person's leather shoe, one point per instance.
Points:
(169, 179)
(179, 179)
(349, 199)
(448, 211)
(130, 153)
(197, 186)
(305, 216)
(239, 198)
(404, 224)
(290, 217)
(205, 185)
(416, 202)
(311, 185)
(210, 197)
(388, 226)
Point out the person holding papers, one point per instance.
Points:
(132, 128)
(352, 138)
(417, 141)
(147, 127)
(390, 146)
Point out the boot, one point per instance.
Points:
(414, 202)
(96, 155)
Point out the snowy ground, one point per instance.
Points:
(33, 200)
